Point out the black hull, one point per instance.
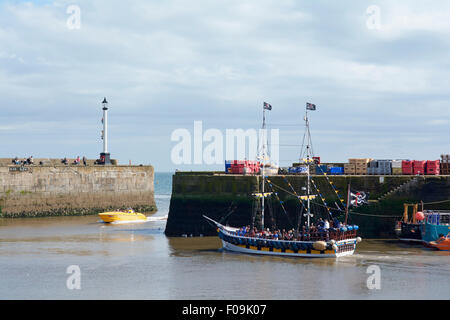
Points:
(410, 232)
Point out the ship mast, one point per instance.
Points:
(263, 165)
(266, 106)
(308, 152)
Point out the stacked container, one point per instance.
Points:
(419, 167)
(432, 167)
(445, 164)
(397, 167)
(349, 169)
(298, 170)
(380, 167)
(372, 167)
(360, 165)
(228, 166)
(384, 167)
(407, 167)
(336, 170)
(244, 167)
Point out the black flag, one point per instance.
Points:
(310, 106)
(358, 198)
(267, 106)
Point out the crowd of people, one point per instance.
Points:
(320, 230)
(30, 161)
(77, 161)
(27, 161)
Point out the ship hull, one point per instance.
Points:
(287, 252)
(431, 232)
(410, 232)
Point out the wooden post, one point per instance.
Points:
(415, 207)
(405, 213)
(348, 203)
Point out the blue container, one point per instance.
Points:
(227, 165)
(302, 169)
(336, 170)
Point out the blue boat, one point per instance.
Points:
(431, 226)
(436, 225)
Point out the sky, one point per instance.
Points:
(378, 72)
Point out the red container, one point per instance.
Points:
(407, 167)
(433, 171)
(237, 166)
(419, 167)
(433, 164)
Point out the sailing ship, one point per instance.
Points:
(309, 242)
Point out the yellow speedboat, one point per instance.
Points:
(122, 216)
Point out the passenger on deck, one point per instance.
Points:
(336, 223)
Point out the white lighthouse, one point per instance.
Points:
(105, 156)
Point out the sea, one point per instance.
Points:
(67, 258)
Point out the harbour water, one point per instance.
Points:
(137, 261)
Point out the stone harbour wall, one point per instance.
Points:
(33, 191)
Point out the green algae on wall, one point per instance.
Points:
(194, 195)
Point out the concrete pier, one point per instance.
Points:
(54, 190)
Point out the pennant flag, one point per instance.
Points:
(310, 106)
(102, 120)
(267, 106)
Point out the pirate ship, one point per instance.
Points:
(310, 241)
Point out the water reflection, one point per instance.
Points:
(137, 261)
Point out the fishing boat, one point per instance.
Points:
(436, 225)
(122, 216)
(310, 242)
(422, 226)
(409, 229)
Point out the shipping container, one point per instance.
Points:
(397, 164)
(336, 170)
(419, 167)
(407, 167)
(349, 169)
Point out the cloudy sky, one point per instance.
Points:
(378, 72)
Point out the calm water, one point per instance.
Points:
(137, 261)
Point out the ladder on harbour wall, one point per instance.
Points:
(404, 186)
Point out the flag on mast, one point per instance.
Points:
(267, 106)
(310, 106)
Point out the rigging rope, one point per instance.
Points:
(343, 211)
(332, 185)
(435, 202)
(281, 202)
